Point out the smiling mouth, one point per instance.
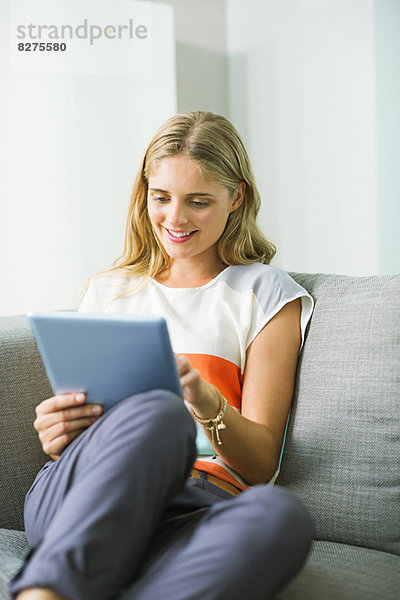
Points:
(180, 235)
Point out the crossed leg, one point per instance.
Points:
(247, 547)
(113, 518)
(90, 515)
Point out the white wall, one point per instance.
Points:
(200, 54)
(312, 85)
(70, 142)
(302, 91)
(387, 51)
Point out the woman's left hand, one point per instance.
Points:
(201, 395)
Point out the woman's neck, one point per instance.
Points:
(189, 276)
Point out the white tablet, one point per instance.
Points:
(107, 356)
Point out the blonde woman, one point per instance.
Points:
(134, 503)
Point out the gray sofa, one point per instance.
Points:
(342, 455)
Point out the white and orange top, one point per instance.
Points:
(212, 325)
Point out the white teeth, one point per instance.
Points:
(180, 234)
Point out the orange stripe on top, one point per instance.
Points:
(226, 376)
(222, 373)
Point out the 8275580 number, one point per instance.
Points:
(42, 47)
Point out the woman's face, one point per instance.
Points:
(188, 211)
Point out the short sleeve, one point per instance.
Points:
(89, 301)
(273, 289)
(99, 293)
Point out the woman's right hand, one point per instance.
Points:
(60, 419)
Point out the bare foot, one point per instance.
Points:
(39, 594)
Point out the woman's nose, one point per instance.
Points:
(177, 214)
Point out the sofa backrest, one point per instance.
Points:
(23, 384)
(342, 454)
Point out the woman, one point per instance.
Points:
(123, 510)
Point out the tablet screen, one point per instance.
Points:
(109, 357)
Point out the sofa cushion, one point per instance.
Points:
(340, 572)
(13, 549)
(332, 571)
(23, 384)
(342, 453)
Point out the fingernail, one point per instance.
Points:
(80, 397)
(96, 410)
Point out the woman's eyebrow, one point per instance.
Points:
(201, 194)
(160, 191)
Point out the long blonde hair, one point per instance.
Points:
(214, 143)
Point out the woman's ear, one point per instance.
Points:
(240, 193)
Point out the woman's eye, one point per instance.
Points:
(199, 204)
(161, 199)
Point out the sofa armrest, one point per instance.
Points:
(23, 384)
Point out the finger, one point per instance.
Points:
(46, 420)
(65, 428)
(183, 364)
(60, 402)
(57, 445)
(191, 379)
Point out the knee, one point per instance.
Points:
(287, 509)
(170, 413)
(278, 514)
(270, 534)
(160, 412)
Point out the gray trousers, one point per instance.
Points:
(117, 517)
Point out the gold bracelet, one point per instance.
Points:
(216, 424)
